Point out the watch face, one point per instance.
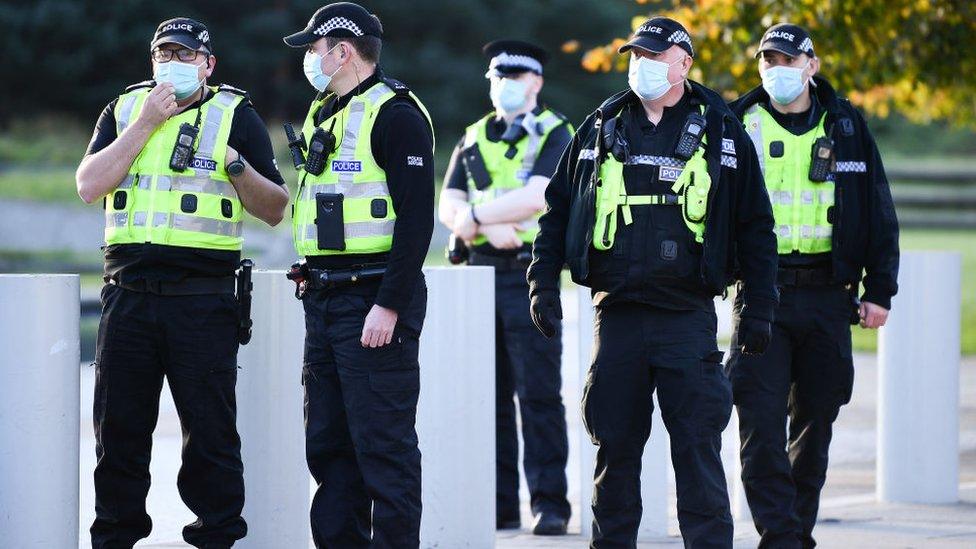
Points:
(236, 167)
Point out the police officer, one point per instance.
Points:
(493, 194)
(176, 162)
(363, 220)
(657, 197)
(834, 220)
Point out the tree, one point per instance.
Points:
(909, 56)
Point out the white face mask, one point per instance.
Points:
(649, 78)
(784, 84)
(183, 76)
(312, 65)
(508, 95)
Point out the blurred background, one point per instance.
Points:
(64, 60)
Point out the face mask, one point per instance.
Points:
(183, 76)
(784, 84)
(313, 70)
(649, 78)
(508, 95)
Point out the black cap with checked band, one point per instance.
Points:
(339, 20)
(787, 39)
(658, 34)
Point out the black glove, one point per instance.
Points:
(754, 335)
(546, 311)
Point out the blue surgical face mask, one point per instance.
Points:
(784, 84)
(185, 77)
(649, 78)
(312, 66)
(509, 95)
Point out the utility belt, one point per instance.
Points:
(239, 285)
(805, 277)
(307, 278)
(516, 262)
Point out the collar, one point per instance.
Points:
(335, 104)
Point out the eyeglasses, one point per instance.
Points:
(183, 54)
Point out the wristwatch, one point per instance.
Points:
(236, 167)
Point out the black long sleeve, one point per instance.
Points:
(549, 248)
(881, 263)
(403, 146)
(755, 240)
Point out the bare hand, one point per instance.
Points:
(464, 225)
(872, 316)
(160, 104)
(378, 328)
(502, 236)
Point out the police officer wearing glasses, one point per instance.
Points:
(363, 220)
(835, 228)
(175, 162)
(654, 204)
(492, 198)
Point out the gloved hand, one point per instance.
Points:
(546, 310)
(754, 335)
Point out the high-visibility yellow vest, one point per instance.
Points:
(800, 206)
(509, 174)
(197, 207)
(351, 170)
(690, 193)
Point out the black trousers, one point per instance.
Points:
(527, 365)
(192, 340)
(806, 375)
(360, 415)
(639, 349)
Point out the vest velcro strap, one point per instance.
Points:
(202, 184)
(357, 229)
(365, 189)
(627, 201)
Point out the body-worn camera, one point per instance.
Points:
(822, 156)
(183, 148)
(296, 145)
(321, 145)
(614, 140)
(691, 137)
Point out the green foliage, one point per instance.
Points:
(909, 56)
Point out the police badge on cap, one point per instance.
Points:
(507, 57)
(658, 34)
(787, 39)
(183, 31)
(339, 20)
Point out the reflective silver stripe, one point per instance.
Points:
(366, 189)
(127, 182)
(125, 113)
(378, 92)
(201, 184)
(160, 219)
(164, 183)
(784, 231)
(826, 197)
(145, 181)
(806, 198)
(754, 129)
(806, 231)
(550, 123)
(358, 229)
(208, 133)
(650, 160)
(783, 198)
(350, 137)
(823, 231)
(531, 149)
(587, 154)
(206, 225)
(116, 219)
(139, 219)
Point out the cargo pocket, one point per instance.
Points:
(394, 408)
(715, 397)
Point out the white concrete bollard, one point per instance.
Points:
(655, 461)
(270, 418)
(39, 410)
(918, 387)
(456, 412)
